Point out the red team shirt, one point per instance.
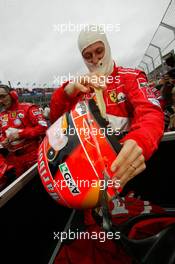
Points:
(22, 153)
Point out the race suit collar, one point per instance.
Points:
(14, 105)
(115, 70)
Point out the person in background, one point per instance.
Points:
(46, 112)
(167, 83)
(22, 127)
(170, 113)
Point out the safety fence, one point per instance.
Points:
(161, 45)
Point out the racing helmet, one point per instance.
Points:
(74, 158)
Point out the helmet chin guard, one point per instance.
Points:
(76, 154)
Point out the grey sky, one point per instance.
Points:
(33, 51)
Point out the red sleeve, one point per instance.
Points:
(2, 135)
(147, 125)
(38, 122)
(60, 103)
(3, 166)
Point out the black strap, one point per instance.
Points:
(113, 140)
(103, 123)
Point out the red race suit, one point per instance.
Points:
(130, 105)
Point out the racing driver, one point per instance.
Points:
(130, 103)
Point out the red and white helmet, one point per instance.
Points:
(75, 155)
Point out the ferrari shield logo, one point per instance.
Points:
(13, 114)
(113, 96)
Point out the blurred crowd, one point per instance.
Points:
(164, 90)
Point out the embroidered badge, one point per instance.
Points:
(113, 96)
(13, 114)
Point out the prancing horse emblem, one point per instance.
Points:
(113, 96)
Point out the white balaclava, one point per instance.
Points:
(88, 36)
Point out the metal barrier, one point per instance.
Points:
(17, 185)
(168, 136)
